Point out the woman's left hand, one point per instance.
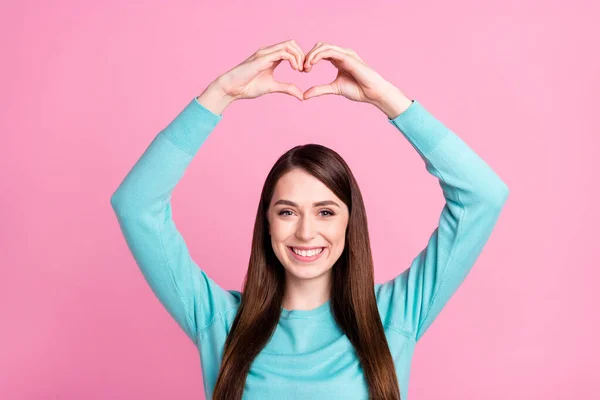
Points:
(355, 79)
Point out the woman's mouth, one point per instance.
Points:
(307, 255)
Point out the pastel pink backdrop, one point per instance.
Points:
(86, 87)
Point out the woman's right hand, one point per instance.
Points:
(254, 76)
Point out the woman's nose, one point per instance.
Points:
(306, 229)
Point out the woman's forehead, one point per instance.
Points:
(303, 189)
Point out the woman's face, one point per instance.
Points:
(305, 213)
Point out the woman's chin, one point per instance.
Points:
(295, 271)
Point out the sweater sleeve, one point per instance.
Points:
(142, 205)
(474, 196)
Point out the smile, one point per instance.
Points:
(308, 256)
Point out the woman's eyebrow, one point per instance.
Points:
(317, 204)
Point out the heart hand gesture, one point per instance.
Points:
(254, 76)
(355, 80)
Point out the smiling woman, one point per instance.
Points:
(308, 226)
(309, 323)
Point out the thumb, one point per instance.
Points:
(287, 88)
(319, 90)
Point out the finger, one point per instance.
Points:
(307, 56)
(287, 88)
(328, 53)
(272, 48)
(289, 45)
(297, 54)
(269, 60)
(284, 53)
(345, 50)
(320, 47)
(334, 52)
(319, 90)
(300, 53)
(310, 54)
(343, 61)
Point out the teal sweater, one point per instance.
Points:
(308, 356)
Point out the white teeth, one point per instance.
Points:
(307, 253)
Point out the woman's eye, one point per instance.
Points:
(328, 212)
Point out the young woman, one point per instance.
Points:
(310, 323)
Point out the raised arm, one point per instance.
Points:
(142, 202)
(474, 196)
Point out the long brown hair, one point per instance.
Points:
(353, 301)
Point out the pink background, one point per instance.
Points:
(86, 87)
